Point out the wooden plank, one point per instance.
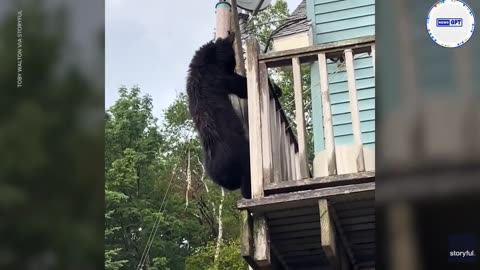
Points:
(246, 237)
(287, 154)
(355, 212)
(254, 121)
(283, 157)
(357, 220)
(316, 49)
(300, 240)
(292, 235)
(297, 166)
(320, 182)
(291, 213)
(293, 220)
(327, 233)
(312, 252)
(294, 227)
(359, 227)
(327, 115)
(303, 198)
(261, 241)
(265, 120)
(352, 92)
(369, 156)
(277, 163)
(346, 157)
(299, 247)
(293, 162)
(361, 237)
(300, 116)
(362, 204)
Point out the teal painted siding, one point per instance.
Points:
(342, 19)
(339, 99)
(335, 20)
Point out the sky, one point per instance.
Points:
(150, 43)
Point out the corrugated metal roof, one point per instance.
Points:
(297, 21)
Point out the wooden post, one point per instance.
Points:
(246, 237)
(300, 116)
(262, 241)
(327, 233)
(277, 162)
(254, 121)
(227, 21)
(327, 115)
(286, 143)
(267, 156)
(352, 93)
(283, 153)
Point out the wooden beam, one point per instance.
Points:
(309, 197)
(316, 49)
(240, 105)
(327, 115)
(300, 116)
(320, 182)
(246, 237)
(261, 241)
(254, 121)
(352, 93)
(327, 234)
(240, 68)
(267, 156)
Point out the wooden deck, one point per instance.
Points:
(329, 227)
(294, 221)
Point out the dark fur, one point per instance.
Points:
(211, 78)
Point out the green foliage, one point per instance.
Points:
(229, 258)
(262, 25)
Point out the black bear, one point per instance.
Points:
(211, 78)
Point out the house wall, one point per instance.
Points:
(335, 20)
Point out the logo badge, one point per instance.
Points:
(450, 23)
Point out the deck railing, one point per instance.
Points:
(276, 153)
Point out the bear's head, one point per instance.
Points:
(219, 53)
(224, 52)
